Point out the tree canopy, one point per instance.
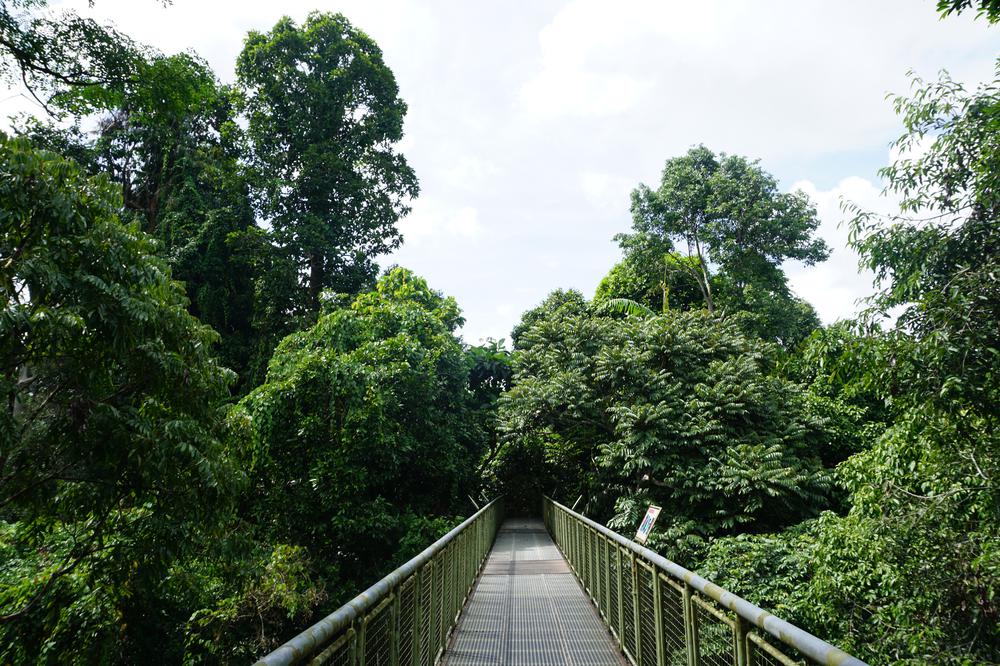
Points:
(324, 114)
(677, 409)
(111, 448)
(728, 214)
(364, 426)
(160, 230)
(915, 556)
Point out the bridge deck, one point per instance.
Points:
(527, 608)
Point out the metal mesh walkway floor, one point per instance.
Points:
(527, 609)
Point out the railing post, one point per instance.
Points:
(418, 617)
(588, 536)
(574, 562)
(456, 557)
(691, 625)
(443, 613)
(621, 601)
(394, 635)
(637, 621)
(740, 636)
(359, 644)
(607, 579)
(598, 587)
(661, 653)
(431, 634)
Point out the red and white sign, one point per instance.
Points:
(647, 524)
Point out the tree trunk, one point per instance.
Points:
(315, 279)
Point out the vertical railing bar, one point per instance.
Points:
(417, 617)
(691, 616)
(607, 580)
(354, 648)
(661, 652)
(637, 622)
(394, 632)
(432, 613)
(740, 629)
(445, 557)
(362, 646)
(621, 601)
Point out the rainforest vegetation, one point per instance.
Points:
(222, 418)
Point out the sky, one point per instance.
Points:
(531, 121)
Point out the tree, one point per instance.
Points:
(677, 409)
(729, 215)
(174, 145)
(169, 138)
(490, 376)
(67, 63)
(568, 301)
(988, 8)
(652, 274)
(364, 430)
(324, 114)
(927, 490)
(911, 573)
(111, 449)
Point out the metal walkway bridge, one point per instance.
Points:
(563, 591)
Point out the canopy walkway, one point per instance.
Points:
(565, 590)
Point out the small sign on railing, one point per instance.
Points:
(647, 524)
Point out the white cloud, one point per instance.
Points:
(469, 173)
(430, 221)
(770, 79)
(464, 222)
(607, 191)
(836, 286)
(557, 92)
(528, 128)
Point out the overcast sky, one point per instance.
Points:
(531, 121)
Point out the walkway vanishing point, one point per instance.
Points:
(560, 591)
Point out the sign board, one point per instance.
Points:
(647, 524)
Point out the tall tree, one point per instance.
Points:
(66, 62)
(911, 573)
(366, 419)
(166, 133)
(111, 455)
(728, 214)
(324, 116)
(678, 408)
(173, 144)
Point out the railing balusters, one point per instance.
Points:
(636, 608)
(371, 625)
(718, 626)
(661, 655)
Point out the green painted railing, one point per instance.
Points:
(406, 618)
(661, 614)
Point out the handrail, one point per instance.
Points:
(790, 635)
(373, 602)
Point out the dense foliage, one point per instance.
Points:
(111, 460)
(911, 572)
(679, 410)
(324, 114)
(363, 426)
(736, 229)
(219, 422)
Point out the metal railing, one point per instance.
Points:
(405, 618)
(664, 615)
